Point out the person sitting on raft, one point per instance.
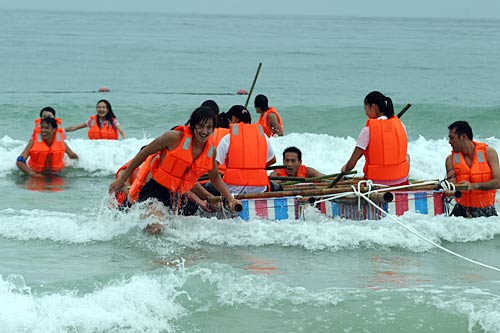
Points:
(383, 142)
(45, 153)
(292, 160)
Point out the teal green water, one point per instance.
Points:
(69, 264)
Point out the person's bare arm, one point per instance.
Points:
(121, 131)
(271, 161)
(276, 128)
(71, 153)
(311, 172)
(450, 172)
(220, 186)
(75, 127)
(21, 164)
(169, 140)
(356, 155)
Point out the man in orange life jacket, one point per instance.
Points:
(49, 112)
(45, 153)
(246, 153)
(269, 119)
(292, 160)
(475, 164)
(187, 153)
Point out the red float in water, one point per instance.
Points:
(103, 89)
(242, 92)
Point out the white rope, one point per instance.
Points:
(421, 236)
(385, 188)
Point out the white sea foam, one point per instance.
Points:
(323, 152)
(140, 304)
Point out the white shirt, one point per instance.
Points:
(223, 149)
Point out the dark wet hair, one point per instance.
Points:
(222, 120)
(384, 103)
(461, 127)
(293, 149)
(202, 115)
(110, 115)
(48, 108)
(240, 112)
(261, 102)
(51, 121)
(211, 104)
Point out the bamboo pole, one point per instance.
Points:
(291, 193)
(253, 84)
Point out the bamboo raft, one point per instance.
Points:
(342, 200)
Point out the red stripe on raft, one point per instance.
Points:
(401, 203)
(438, 203)
(261, 209)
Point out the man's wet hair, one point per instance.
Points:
(202, 114)
(261, 102)
(51, 121)
(211, 104)
(461, 127)
(48, 108)
(293, 149)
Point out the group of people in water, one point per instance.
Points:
(233, 155)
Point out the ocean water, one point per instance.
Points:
(69, 264)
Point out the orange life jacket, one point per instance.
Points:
(106, 132)
(478, 172)
(178, 172)
(301, 172)
(219, 133)
(38, 128)
(386, 152)
(247, 155)
(263, 120)
(149, 165)
(47, 158)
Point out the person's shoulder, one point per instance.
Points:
(490, 151)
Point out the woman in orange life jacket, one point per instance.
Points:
(475, 164)
(269, 118)
(292, 160)
(45, 153)
(187, 153)
(103, 125)
(246, 152)
(383, 142)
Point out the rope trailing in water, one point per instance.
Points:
(416, 233)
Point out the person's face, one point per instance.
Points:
(371, 111)
(47, 114)
(203, 130)
(102, 109)
(233, 120)
(47, 131)
(456, 141)
(259, 110)
(291, 162)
